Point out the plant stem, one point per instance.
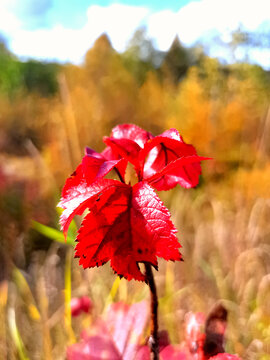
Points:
(119, 175)
(153, 339)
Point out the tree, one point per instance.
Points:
(176, 61)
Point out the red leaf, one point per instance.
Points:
(79, 305)
(143, 353)
(74, 180)
(161, 151)
(77, 198)
(121, 166)
(170, 352)
(175, 173)
(116, 338)
(98, 347)
(131, 132)
(194, 334)
(126, 141)
(127, 226)
(125, 148)
(93, 166)
(126, 324)
(225, 356)
(96, 166)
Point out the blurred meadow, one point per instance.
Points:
(50, 112)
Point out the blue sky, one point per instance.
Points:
(64, 30)
(73, 13)
(65, 10)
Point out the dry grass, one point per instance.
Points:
(226, 250)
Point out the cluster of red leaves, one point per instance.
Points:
(118, 337)
(128, 225)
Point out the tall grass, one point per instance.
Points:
(226, 258)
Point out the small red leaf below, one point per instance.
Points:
(225, 356)
(95, 347)
(117, 337)
(126, 324)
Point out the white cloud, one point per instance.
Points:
(64, 44)
(57, 43)
(119, 21)
(197, 19)
(162, 26)
(261, 57)
(8, 20)
(191, 22)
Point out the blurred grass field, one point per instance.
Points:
(223, 225)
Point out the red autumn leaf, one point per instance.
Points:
(96, 165)
(76, 199)
(119, 337)
(127, 226)
(169, 352)
(176, 173)
(120, 167)
(131, 132)
(125, 148)
(79, 305)
(74, 180)
(225, 356)
(93, 166)
(95, 347)
(126, 324)
(160, 152)
(143, 353)
(116, 338)
(126, 141)
(194, 336)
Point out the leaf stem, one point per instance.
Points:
(119, 175)
(153, 339)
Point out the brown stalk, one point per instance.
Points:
(153, 339)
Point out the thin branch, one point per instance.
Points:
(119, 175)
(153, 340)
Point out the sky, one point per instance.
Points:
(63, 30)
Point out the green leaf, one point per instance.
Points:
(54, 234)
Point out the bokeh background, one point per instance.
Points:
(68, 75)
